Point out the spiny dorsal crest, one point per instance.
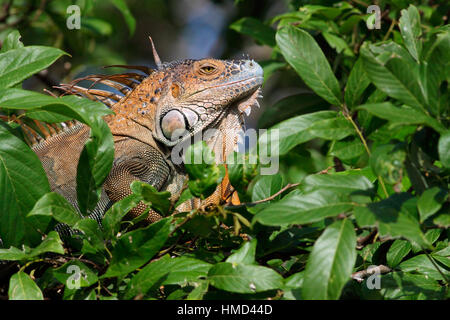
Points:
(36, 132)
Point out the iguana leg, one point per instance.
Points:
(146, 164)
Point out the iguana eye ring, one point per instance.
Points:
(173, 125)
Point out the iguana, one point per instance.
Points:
(186, 96)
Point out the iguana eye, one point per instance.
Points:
(208, 69)
(173, 125)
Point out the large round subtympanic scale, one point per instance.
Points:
(173, 124)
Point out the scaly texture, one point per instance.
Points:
(154, 113)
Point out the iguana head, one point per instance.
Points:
(179, 99)
(199, 93)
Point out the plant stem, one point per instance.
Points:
(391, 27)
(347, 116)
(436, 266)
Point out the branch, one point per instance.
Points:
(361, 275)
(363, 241)
(347, 115)
(251, 204)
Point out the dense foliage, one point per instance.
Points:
(363, 181)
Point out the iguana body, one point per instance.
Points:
(188, 97)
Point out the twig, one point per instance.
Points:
(288, 186)
(347, 116)
(360, 3)
(251, 204)
(361, 275)
(435, 265)
(163, 252)
(361, 242)
(391, 27)
(96, 266)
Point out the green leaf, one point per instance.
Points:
(409, 25)
(443, 252)
(407, 286)
(66, 107)
(304, 208)
(19, 64)
(245, 254)
(204, 174)
(129, 18)
(442, 219)
(295, 281)
(97, 26)
(113, 217)
(357, 83)
(395, 216)
(432, 235)
(94, 165)
(436, 70)
(331, 262)
(332, 129)
(281, 138)
(92, 233)
(166, 271)
(256, 29)
(338, 43)
(347, 150)
(11, 41)
(201, 287)
(430, 202)
(242, 278)
(75, 273)
(54, 205)
(401, 116)
(22, 287)
(152, 275)
(241, 169)
(302, 52)
(23, 182)
(184, 270)
(135, 248)
(338, 182)
(394, 72)
(398, 250)
(422, 265)
(444, 149)
(266, 186)
(51, 243)
(160, 201)
(387, 161)
(13, 254)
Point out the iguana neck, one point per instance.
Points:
(134, 114)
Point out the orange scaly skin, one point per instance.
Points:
(157, 112)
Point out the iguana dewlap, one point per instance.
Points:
(154, 113)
